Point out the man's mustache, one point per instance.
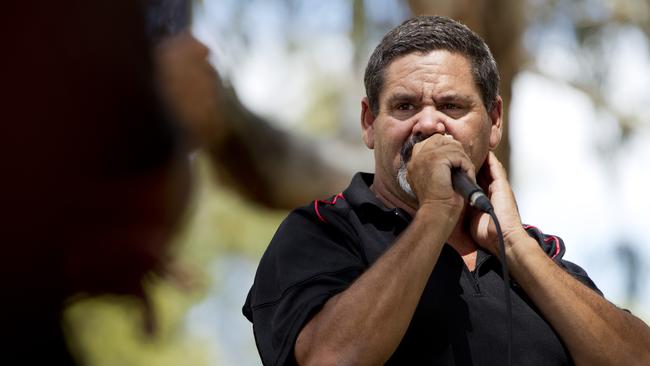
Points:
(407, 148)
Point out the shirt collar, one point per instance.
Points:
(364, 201)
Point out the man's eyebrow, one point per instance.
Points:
(454, 97)
(402, 97)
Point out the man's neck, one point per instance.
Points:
(392, 200)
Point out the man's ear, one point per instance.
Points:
(496, 118)
(367, 123)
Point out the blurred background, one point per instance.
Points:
(576, 84)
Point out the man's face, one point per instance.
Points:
(423, 95)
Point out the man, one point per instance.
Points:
(397, 269)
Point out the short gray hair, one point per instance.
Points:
(429, 33)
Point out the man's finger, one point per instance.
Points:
(496, 168)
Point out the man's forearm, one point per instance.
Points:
(595, 331)
(365, 323)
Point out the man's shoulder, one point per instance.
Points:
(321, 217)
(336, 209)
(331, 209)
(555, 248)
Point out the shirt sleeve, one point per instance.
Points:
(554, 247)
(306, 263)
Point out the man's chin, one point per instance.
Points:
(404, 184)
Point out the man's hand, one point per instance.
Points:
(493, 176)
(595, 331)
(429, 170)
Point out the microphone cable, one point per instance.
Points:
(506, 280)
(477, 199)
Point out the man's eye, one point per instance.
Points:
(405, 107)
(450, 106)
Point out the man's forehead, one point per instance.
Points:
(454, 70)
(436, 60)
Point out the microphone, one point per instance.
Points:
(469, 190)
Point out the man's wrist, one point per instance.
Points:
(438, 216)
(519, 244)
(511, 237)
(439, 210)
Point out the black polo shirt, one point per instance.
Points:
(320, 249)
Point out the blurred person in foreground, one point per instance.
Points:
(397, 269)
(96, 174)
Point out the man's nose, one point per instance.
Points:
(429, 121)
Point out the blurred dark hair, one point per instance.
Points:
(424, 34)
